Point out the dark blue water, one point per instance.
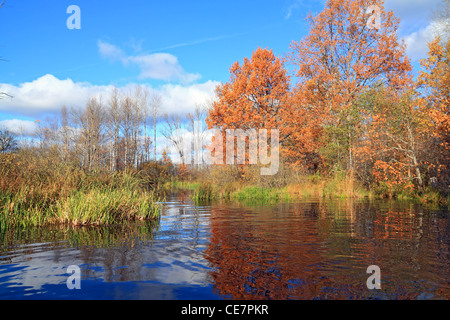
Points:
(305, 250)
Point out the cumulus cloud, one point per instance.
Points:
(158, 66)
(296, 6)
(20, 127)
(417, 42)
(412, 11)
(49, 94)
(418, 24)
(110, 51)
(178, 98)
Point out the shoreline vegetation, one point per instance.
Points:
(204, 192)
(339, 187)
(35, 191)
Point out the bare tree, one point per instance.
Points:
(8, 141)
(441, 15)
(140, 96)
(91, 122)
(198, 128)
(144, 106)
(155, 106)
(175, 133)
(126, 125)
(64, 133)
(113, 125)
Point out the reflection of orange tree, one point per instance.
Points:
(400, 240)
(394, 225)
(252, 259)
(409, 248)
(323, 250)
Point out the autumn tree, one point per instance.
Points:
(394, 138)
(434, 85)
(91, 137)
(342, 56)
(254, 98)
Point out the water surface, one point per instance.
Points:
(305, 250)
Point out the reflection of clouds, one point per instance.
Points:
(132, 269)
(39, 268)
(181, 244)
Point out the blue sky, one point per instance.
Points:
(206, 36)
(181, 49)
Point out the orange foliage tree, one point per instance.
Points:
(255, 95)
(393, 138)
(434, 85)
(341, 57)
(254, 98)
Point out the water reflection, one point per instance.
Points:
(318, 250)
(306, 250)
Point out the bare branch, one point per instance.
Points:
(5, 94)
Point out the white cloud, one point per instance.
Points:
(110, 51)
(21, 127)
(158, 66)
(49, 94)
(178, 98)
(417, 25)
(417, 42)
(412, 11)
(162, 66)
(304, 6)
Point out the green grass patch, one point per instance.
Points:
(259, 194)
(95, 201)
(207, 193)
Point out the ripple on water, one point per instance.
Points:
(305, 250)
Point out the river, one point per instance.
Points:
(309, 249)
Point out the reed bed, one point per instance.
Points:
(32, 194)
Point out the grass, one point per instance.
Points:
(34, 195)
(97, 206)
(428, 196)
(259, 194)
(102, 206)
(341, 186)
(205, 192)
(184, 185)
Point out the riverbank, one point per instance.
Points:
(35, 194)
(337, 187)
